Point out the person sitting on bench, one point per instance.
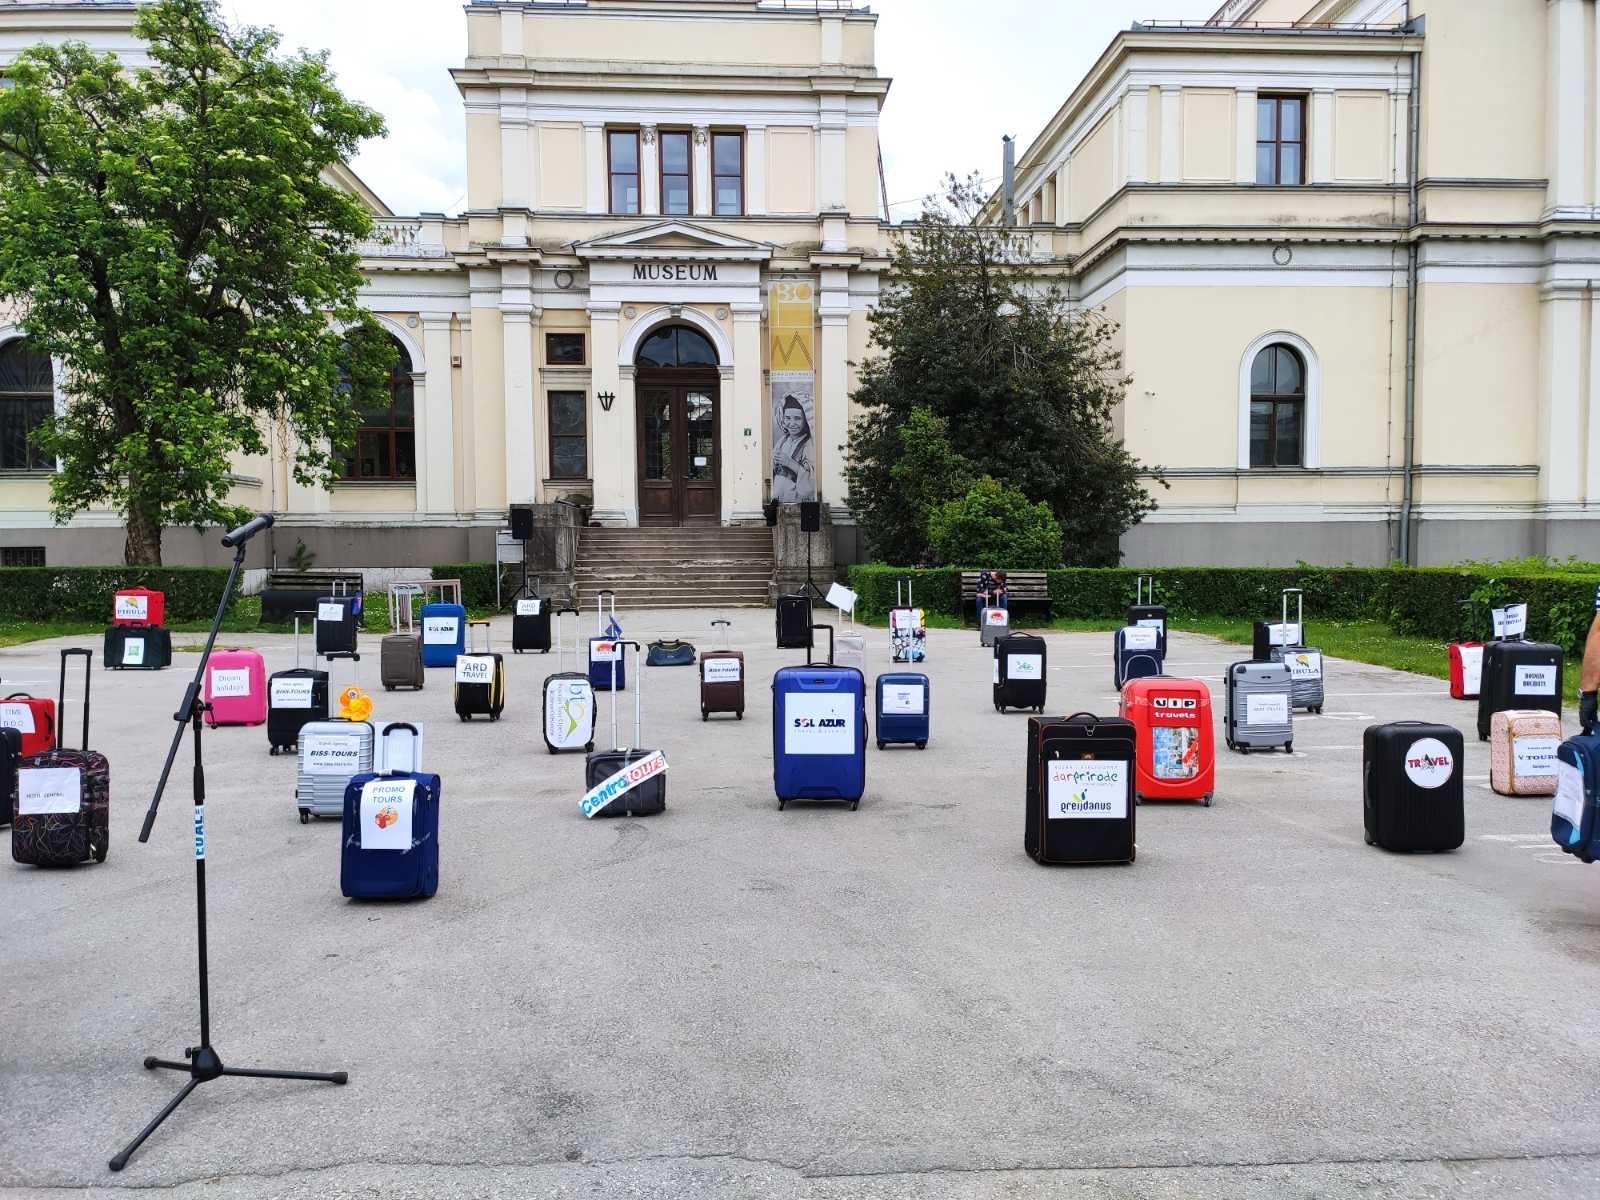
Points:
(991, 592)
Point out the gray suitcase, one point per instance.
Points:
(1260, 713)
(400, 657)
(330, 753)
(995, 625)
(1304, 662)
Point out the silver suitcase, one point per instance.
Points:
(1260, 712)
(330, 753)
(996, 624)
(1304, 662)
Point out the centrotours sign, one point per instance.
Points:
(625, 780)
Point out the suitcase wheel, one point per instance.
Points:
(997, 708)
(704, 716)
(305, 817)
(1132, 854)
(100, 854)
(854, 804)
(588, 747)
(881, 743)
(1244, 749)
(464, 716)
(552, 749)
(546, 650)
(273, 751)
(922, 745)
(1369, 838)
(1317, 710)
(388, 687)
(780, 804)
(1288, 747)
(741, 714)
(1206, 799)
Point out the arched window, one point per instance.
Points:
(677, 346)
(1277, 408)
(386, 444)
(27, 398)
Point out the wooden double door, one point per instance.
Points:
(680, 468)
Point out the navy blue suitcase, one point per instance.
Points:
(612, 671)
(396, 863)
(1575, 815)
(819, 731)
(1135, 662)
(901, 708)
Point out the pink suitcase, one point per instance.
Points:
(1522, 752)
(236, 688)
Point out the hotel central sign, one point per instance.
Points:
(675, 272)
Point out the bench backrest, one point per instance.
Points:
(1022, 585)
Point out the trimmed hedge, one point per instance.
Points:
(477, 582)
(84, 593)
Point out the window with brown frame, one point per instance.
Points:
(1281, 140)
(727, 173)
(677, 188)
(386, 443)
(622, 151)
(1277, 408)
(563, 349)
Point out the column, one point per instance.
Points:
(1136, 112)
(486, 481)
(1064, 194)
(700, 155)
(1591, 488)
(436, 422)
(515, 173)
(1565, 395)
(519, 318)
(1048, 213)
(594, 164)
(1244, 167)
(466, 440)
(1566, 79)
(744, 416)
(1171, 134)
(649, 172)
(833, 387)
(611, 499)
(832, 181)
(1320, 133)
(755, 171)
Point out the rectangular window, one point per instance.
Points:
(623, 152)
(563, 349)
(676, 193)
(569, 441)
(727, 173)
(19, 417)
(22, 556)
(1280, 140)
(1275, 433)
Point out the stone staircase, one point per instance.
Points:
(703, 567)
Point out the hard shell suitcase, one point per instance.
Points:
(530, 625)
(1412, 786)
(1518, 674)
(294, 698)
(331, 754)
(649, 798)
(1260, 712)
(1019, 672)
(1522, 752)
(10, 758)
(607, 667)
(908, 632)
(996, 624)
(568, 713)
(137, 648)
(33, 717)
(391, 836)
(480, 689)
(1177, 744)
(138, 606)
(1079, 800)
(819, 731)
(1136, 654)
(722, 678)
(400, 652)
(444, 633)
(1146, 613)
(900, 713)
(1575, 811)
(1466, 670)
(61, 799)
(794, 622)
(338, 624)
(1304, 662)
(236, 688)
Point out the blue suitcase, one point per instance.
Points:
(610, 671)
(819, 731)
(901, 708)
(444, 634)
(1136, 661)
(1575, 813)
(391, 834)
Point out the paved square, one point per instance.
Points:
(730, 1001)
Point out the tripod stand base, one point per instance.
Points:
(203, 1066)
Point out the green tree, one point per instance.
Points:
(995, 526)
(1027, 387)
(168, 234)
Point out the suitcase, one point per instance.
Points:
(1177, 757)
(995, 625)
(444, 634)
(137, 648)
(1522, 752)
(1146, 613)
(819, 731)
(1304, 662)
(647, 798)
(236, 688)
(908, 632)
(138, 606)
(607, 668)
(294, 698)
(331, 754)
(1136, 654)
(568, 712)
(1518, 674)
(850, 647)
(1413, 793)
(33, 718)
(722, 678)
(1466, 670)
(391, 836)
(61, 799)
(1267, 634)
(1260, 712)
(338, 623)
(794, 622)
(1079, 798)
(400, 652)
(900, 714)
(1574, 819)
(480, 689)
(530, 625)
(1019, 672)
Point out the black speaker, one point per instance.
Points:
(770, 511)
(522, 523)
(810, 516)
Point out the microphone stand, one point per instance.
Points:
(203, 1063)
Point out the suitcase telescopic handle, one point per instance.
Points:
(88, 663)
(727, 628)
(617, 649)
(813, 641)
(1143, 586)
(416, 737)
(488, 644)
(1299, 610)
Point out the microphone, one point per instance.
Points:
(247, 531)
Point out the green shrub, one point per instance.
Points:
(936, 589)
(995, 525)
(477, 582)
(85, 593)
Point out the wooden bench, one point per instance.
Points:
(1030, 589)
(290, 592)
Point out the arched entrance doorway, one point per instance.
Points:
(677, 384)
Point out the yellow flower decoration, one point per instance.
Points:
(355, 704)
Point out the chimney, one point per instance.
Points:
(1008, 185)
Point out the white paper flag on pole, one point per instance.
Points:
(842, 598)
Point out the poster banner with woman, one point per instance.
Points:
(794, 444)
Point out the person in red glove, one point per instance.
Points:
(1589, 682)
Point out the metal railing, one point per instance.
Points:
(1358, 28)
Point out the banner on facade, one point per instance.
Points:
(793, 382)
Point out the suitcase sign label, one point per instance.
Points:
(1304, 666)
(1534, 757)
(1471, 669)
(291, 693)
(996, 616)
(527, 608)
(441, 631)
(133, 652)
(133, 608)
(569, 713)
(474, 669)
(1569, 801)
(330, 612)
(386, 808)
(1266, 710)
(1159, 624)
(230, 682)
(722, 670)
(1088, 790)
(1510, 621)
(1174, 710)
(1140, 637)
(1279, 634)
(46, 791)
(1535, 681)
(604, 650)
(331, 753)
(904, 699)
(16, 716)
(1025, 666)
(625, 780)
(1429, 763)
(819, 724)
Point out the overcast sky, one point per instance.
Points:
(965, 72)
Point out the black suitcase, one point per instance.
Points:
(45, 832)
(338, 623)
(794, 622)
(1146, 612)
(1518, 674)
(1019, 672)
(648, 798)
(137, 648)
(1412, 786)
(530, 625)
(10, 756)
(294, 699)
(485, 697)
(1079, 804)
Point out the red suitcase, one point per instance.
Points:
(33, 718)
(722, 678)
(1177, 744)
(139, 606)
(1466, 670)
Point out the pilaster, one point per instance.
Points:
(1566, 79)
(594, 168)
(833, 388)
(1136, 146)
(700, 154)
(1244, 165)
(755, 170)
(436, 442)
(519, 319)
(1171, 134)
(1564, 394)
(743, 418)
(649, 171)
(516, 173)
(612, 494)
(1319, 134)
